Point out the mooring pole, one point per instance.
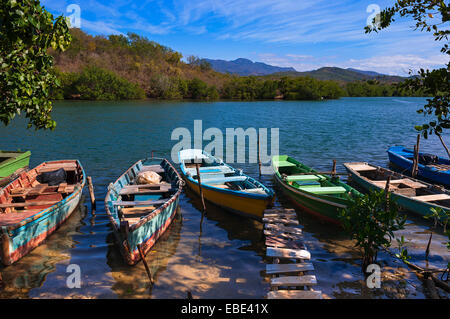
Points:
(333, 171)
(443, 144)
(91, 192)
(147, 269)
(197, 166)
(386, 192)
(259, 155)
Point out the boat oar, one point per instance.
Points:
(147, 269)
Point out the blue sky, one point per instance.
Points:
(303, 34)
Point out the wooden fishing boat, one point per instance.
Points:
(141, 213)
(431, 167)
(224, 185)
(12, 164)
(34, 205)
(320, 195)
(411, 194)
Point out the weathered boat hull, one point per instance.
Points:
(398, 156)
(414, 206)
(18, 240)
(146, 233)
(245, 206)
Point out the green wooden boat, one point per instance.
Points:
(11, 162)
(317, 194)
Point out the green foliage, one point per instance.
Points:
(94, 83)
(27, 31)
(429, 16)
(290, 88)
(368, 221)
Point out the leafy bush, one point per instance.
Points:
(94, 83)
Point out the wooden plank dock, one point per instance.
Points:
(291, 272)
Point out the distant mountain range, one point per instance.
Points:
(245, 67)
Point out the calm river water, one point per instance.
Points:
(223, 255)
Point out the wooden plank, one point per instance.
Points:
(280, 215)
(362, 167)
(284, 243)
(272, 269)
(288, 253)
(151, 186)
(294, 294)
(281, 234)
(432, 198)
(144, 191)
(282, 228)
(152, 168)
(281, 209)
(294, 281)
(139, 203)
(9, 205)
(281, 221)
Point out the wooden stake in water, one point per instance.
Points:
(91, 192)
(416, 158)
(197, 166)
(333, 171)
(147, 269)
(259, 155)
(386, 192)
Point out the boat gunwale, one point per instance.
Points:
(429, 186)
(156, 211)
(269, 193)
(47, 211)
(423, 167)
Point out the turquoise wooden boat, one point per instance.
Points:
(224, 185)
(140, 214)
(411, 194)
(317, 194)
(30, 211)
(431, 167)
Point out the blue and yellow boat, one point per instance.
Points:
(141, 213)
(35, 204)
(224, 185)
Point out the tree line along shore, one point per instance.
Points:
(121, 67)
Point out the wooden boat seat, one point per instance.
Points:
(325, 190)
(285, 164)
(210, 170)
(150, 186)
(224, 180)
(396, 182)
(432, 198)
(145, 191)
(139, 203)
(307, 183)
(55, 166)
(295, 178)
(360, 167)
(153, 168)
(28, 204)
